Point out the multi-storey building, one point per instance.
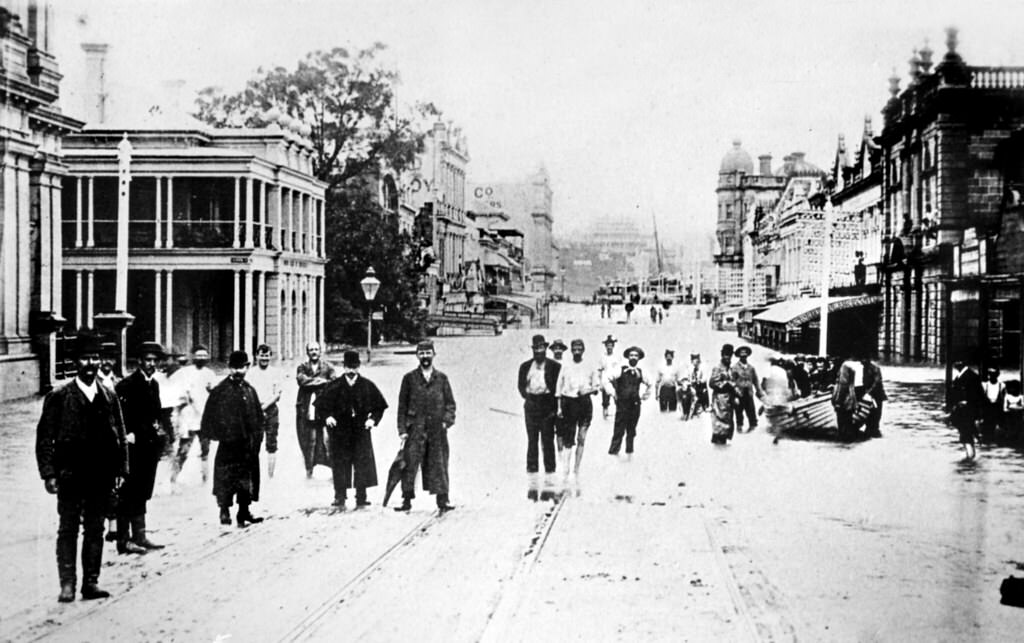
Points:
(858, 223)
(949, 166)
(31, 129)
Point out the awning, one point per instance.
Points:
(794, 313)
(525, 302)
(493, 258)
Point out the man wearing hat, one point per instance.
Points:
(558, 349)
(624, 388)
(748, 385)
(350, 407)
(82, 457)
(538, 379)
(139, 394)
(234, 418)
(609, 364)
(722, 394)
(426, 410)
(665, 383)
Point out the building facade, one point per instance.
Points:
(31, 130)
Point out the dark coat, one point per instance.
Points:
(351, 443)
(140, 404)
(873, 385)
(966, 398)
(311, 434)
(551, 370)
(62, 439)
(425, 411)
(233, 416)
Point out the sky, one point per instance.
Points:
(630, 105)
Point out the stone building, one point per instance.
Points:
(31, 131)
(858, 221)
(951, 161)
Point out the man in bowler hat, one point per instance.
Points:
(538, 379)
(350, 407)
(624, 389)
(82, 456)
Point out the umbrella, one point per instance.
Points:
(395, 473)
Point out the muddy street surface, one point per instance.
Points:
(808, 539)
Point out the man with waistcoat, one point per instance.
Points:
(624, 388)
(538, 381)
(82, 456)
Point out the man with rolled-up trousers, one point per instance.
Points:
(538, 378)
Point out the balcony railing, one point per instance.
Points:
(186, 234)
(997, 77)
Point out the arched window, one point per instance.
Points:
(389, 194)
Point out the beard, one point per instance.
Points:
(87, 373)
(425, 362)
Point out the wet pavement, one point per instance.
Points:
(804, 539)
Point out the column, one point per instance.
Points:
(169, 311)
(248, 333)
(78, 212)
(90, 296)
(47, 250)
(261, 308)
(170, 213)
(57, 241)
(286, 317)
(249, 241)
(156, 215)
(235, 321)
(286, 219)
(91, 241)
(158, 304)
(276, 218)
(261, 240)
(323, 228)
(320, 315)
(307, 229)
(79, 320)
(238, 216)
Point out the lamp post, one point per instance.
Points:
(370, 285)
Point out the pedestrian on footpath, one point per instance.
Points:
(199, 379)
(748, 388)
(577, 382)
(992, 409)
(426, 410)
(234, 418)
(874, 390)
(311, 376)
(139, 394)
(665, 383)
(610, 363)
(624, 388)
(538, 378)
(268, 382)
(965, 399)
(351, 406)
(723, 393)
(82, 457)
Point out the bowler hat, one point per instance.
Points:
(108, 349)
(558, 345)
(87, 343)
(669, 351)
(238, 359)
(351, 359)
(538, 341)
(694, 355)
(154, 348)
(629, 350)
(610, 340)
(743, 351)
(726, 349)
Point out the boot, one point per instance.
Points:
(139, 533)
(92, 561)
(271, 462)
(442, 504)
(92, 591)
(361, 500)
(244, 518)
(124, 545)
(67, 593)
(406, 505)
(66, 568)
(225, 516)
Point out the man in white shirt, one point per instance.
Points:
(577, 381)
(267, 380)
(665, 384)
(610, 364)
(199, 379)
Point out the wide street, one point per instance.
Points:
(892, 539)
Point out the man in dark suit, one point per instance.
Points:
(538, 379)
(426, 410)
(965, 399)
(80, 451)
(139, 394)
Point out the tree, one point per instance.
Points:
(346, 100)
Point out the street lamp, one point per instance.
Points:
(370, 285)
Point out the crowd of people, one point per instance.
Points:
(985, 409)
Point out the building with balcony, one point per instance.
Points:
(225, 234)
(858, 222)
(951, 160)
(31, 132)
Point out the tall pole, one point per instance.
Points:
(826, 268)
(124, 176)
(369, 330)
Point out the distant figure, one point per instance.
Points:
(965, 399)
(860, 272)
(654, 314)
(629, 311)
(992, 410)
(1013, 411)
(722, 394)
(624, 387)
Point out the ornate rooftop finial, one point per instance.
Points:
(915, 66)
(894, 84)
(951, 40)
(926, 57)
(868, 128)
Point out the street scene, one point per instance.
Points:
(449, 320)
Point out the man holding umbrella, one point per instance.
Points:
(624, 388)
(350, 407)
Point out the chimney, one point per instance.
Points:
(95, 82)
(765, 161)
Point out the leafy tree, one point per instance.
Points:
(347, 101)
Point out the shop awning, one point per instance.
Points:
(794, 313)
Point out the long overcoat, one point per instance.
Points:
(722, 396)
(352, 446)
(140, 404)
(233, 416)
(425, 411)
(311, 432)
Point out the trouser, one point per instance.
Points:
(81, 506)
(242, 496)
(606, 400)
(873, 420)
(844, 420)
(627, 414)
(271, 424)
(577, 413)
(539, 411)
(428, 447)
(167, 421)
(185, 444)
(745, 405)
(667, 397)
